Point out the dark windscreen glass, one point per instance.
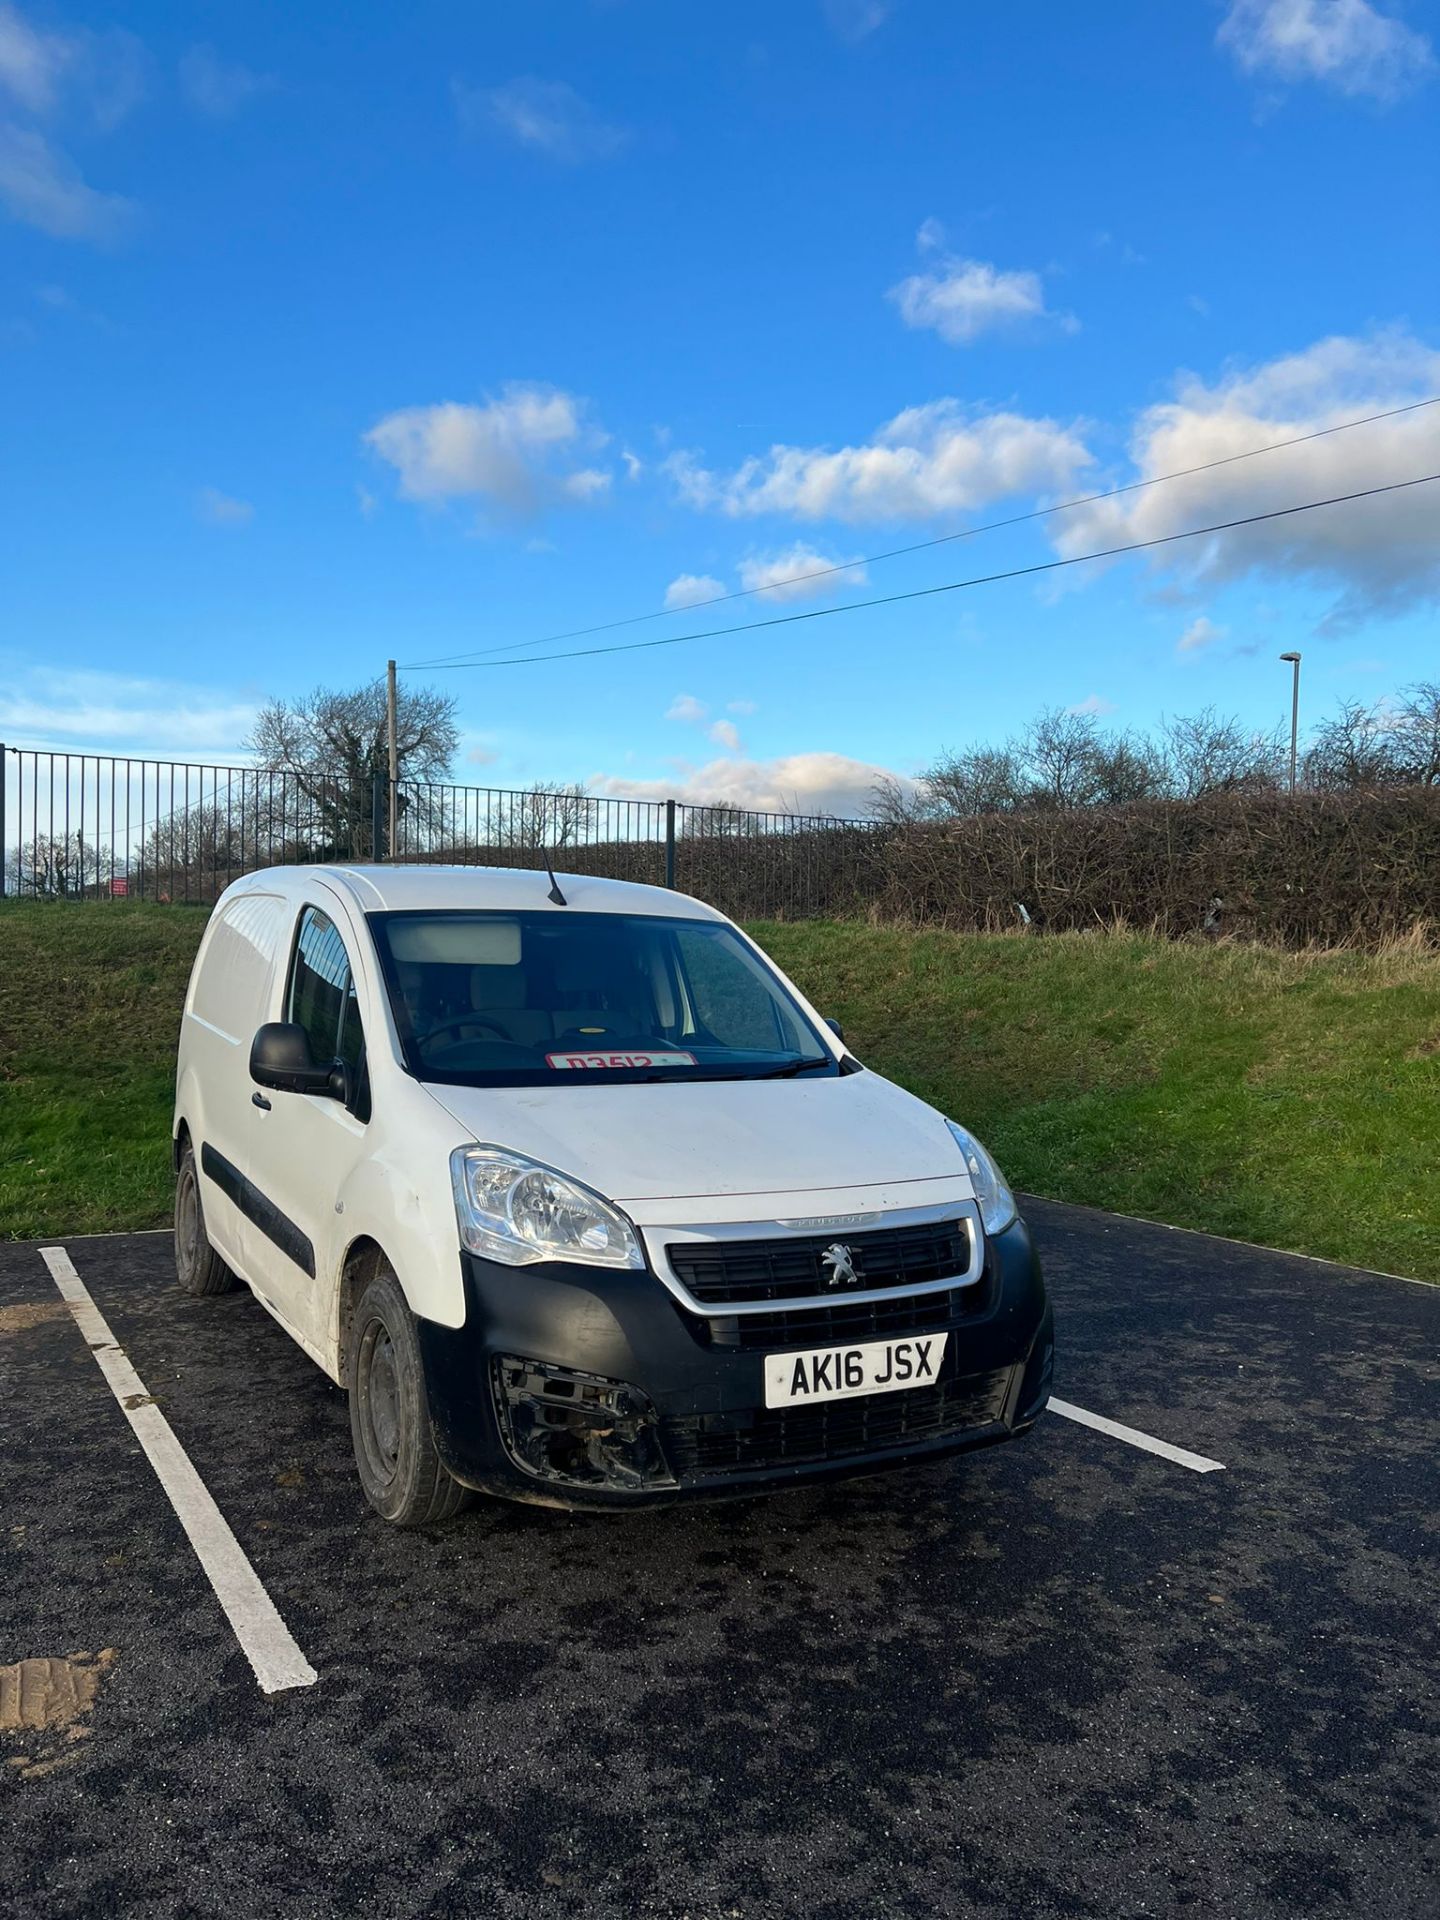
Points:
(511, 999)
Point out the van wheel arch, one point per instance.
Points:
(363, 1260)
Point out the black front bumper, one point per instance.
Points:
(701, 1382)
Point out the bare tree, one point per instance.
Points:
(979, 780)
(1395, 743)
(57, 867)
(717, 822)
(1126, 767)
(1355, 748)
(1417, 732)
(551, 815)
(1057, 753)
(897, 803)
(332, 747)
(196, 851)
(1209, 753)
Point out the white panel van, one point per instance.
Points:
(579, 1199)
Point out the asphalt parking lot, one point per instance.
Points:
(1069, 1676)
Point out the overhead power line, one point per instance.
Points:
(920, 546)
(949, 586)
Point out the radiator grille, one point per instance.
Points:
(846, 1322)
(792, 1268)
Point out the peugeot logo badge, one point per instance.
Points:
(839, 1265)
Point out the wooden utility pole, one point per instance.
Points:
(392, 731)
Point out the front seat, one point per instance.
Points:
(499, 994)
(601, 997)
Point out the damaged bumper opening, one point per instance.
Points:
(565, 1388)
(577, 1429)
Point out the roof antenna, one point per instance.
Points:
(555, 893)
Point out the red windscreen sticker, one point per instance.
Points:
(592, 1061)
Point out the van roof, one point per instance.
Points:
(377, 889)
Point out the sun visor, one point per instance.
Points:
(455, 940)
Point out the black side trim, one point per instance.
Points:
(259, 1209)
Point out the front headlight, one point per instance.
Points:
(995, 1200)
(518, 1211)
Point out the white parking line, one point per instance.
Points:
(263, 1635)
(1196, 1462)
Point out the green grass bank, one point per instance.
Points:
(1291, 1099)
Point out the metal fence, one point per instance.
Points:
(101, 826)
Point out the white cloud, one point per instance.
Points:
(815, 783)
(634, 465)
(586, 483)
(103, 74)
(1200, 633)
(686, 707)
(546, 116)
(367, 503)
(1345, 44)
(929, 235)
(31, 62)
(965, 298)
(217, 88)
(43, 187)
(790, 575)
(692, 589)
(44, 707)
(1378, 555)
(1093, 705)
(855, 20)
(222, 510)
(96, 76)
(936, 459)
(742, 707)
(725, 734)
(512, 451)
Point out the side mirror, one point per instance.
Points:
(838, 1031)
(280, 1057)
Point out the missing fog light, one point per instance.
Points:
(577, 1427)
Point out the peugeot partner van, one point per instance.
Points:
(579, 1200)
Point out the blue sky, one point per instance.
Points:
(329, 336)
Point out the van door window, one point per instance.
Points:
(322, 999)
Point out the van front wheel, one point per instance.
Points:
(403, 1476)
(198, 1267)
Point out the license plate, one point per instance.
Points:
(843, 1373)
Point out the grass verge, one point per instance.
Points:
(1291, 1099)
(1287, 1098)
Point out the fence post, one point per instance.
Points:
(377, 816)
(4, 850)
(670, 843)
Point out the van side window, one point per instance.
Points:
(322, 999)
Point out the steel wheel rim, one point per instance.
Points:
(378, 1383)
(187, 1223)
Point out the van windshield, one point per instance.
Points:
(559, 999)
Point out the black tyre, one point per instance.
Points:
(198, 1267)
(404, 1478)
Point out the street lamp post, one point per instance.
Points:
(1294, 660)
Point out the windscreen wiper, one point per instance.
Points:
(806, 1064)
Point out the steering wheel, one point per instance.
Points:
(467, 1020)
